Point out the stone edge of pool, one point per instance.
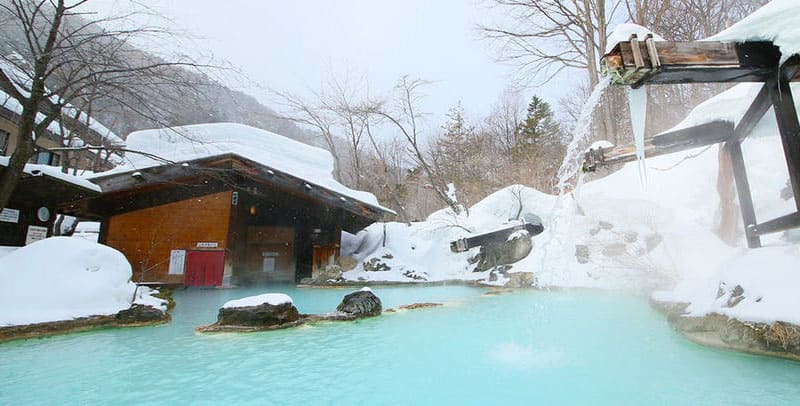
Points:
(135, 316)
(82, 324)
(779, 339)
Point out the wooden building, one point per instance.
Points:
(38, 197)
(222, 219)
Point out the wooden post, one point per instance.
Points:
(789, 127)
(734, 149)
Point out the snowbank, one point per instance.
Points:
(759, 285)
(178, 144)
(62, 278)
(53, 172)
(616, 235)
(274, 299)
(776, 22)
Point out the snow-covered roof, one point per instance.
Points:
(54, 172)
(22, 82)
(179, 144)
(777, 21)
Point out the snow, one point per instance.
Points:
(54, 172)
(62, 278)
(602, 144)
(87, 230)
(146, 296)
(365, 289)
(178, 144)
(777, 21)
(768, 277)
(274, 299)
(623, 32)
(4, 250)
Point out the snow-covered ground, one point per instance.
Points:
(62, 278)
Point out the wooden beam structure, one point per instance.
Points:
(635, 63)
(643, 61)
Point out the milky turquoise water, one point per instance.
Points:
(524, 348)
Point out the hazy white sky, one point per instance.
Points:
(294, 45)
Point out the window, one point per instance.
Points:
(3, 141)
(46, 158)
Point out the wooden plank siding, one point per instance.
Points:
(147, 236)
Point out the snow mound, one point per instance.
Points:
(623, 32)
(62, 278)
(777, 21)
(274, 299)
(759, 285)
(177, 144)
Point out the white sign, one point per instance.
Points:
(177, 259)
(207, 245)
(35, 233)
(9, 215)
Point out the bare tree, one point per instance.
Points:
(403, 114)
(60, 53)
(302, 111)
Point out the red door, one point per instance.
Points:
(204, 268)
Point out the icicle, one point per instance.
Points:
(638, 106)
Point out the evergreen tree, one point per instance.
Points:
(539, 134)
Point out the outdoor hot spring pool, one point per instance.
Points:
(525, 347)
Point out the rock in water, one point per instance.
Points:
(263, 315)
(520, 280)
(140, 314)
(363, 303)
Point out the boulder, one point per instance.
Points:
(520, 280)
(140, 314)
(263, 315)
(517, 247)
(423, 305)
(362, 303)
(582, 253)
(347, 263)
(329, 274)
(376, 265)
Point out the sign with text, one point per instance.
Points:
(9, 215)
(207, 245)
(177, 259)
(35, 233)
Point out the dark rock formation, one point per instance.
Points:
(141, 314)
(263, 315)
(359, 304)
(414, 306)
(582, 253)
(504, 253)
(376, 265)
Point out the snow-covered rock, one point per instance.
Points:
(62, 278)
(273, 299)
